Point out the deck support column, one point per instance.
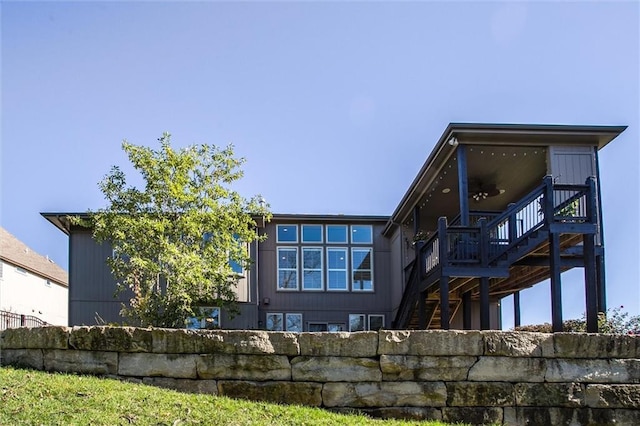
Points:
(589, 257)
(516, 309)
(484, 304)
(556, 290)
(463, 188)
(466, 310)
(602, 295)
(444, 303)
(422, 310)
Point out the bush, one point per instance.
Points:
(614, 321)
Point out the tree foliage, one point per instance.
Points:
(174, 238)
(615, 321)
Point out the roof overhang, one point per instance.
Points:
(495, 134)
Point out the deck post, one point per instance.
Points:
(556, 289)
(513, 230)
(590, 272)
(466, 310)
(463, 186)
(602, 296)
(444, 280)
(484, 304)
(516, 309)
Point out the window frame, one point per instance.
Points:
(296, 269)
(286, 321)
(346, 269)
(311, 225)
(352, 270)
(363, 317)
(202, 321)
(346, 233)
(353, 228)
(320, 269)
(278, 226)
(274, 314)
(375, 316)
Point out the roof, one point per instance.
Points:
(497, 134)
(14, 251)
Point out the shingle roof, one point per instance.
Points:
(14, 251)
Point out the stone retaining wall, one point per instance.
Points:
(511, 378)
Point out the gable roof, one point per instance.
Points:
(14, 251)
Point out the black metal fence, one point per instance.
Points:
(13, 320)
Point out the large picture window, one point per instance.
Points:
(287, 268)
(311, 268)
(337, 269)
(361, 269)
(337, 234)
(311, 233)
(361, 234)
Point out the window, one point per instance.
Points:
(337, 269)
(317, 326)
(361, 234)
(21, 270)
(357, 322)
(312, 268)
(336, 327)
(361, 270)
(294, 322)
(337, 234)
(47, 283)
(287, 268)
(236, 267)
(376, 322)
(209, 318)
(274, 322)
(287, 233)
(311, 233)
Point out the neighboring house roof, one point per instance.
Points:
(14, 251)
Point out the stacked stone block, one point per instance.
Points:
(487, 377)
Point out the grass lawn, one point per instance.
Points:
(39, 398)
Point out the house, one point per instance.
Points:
(33, 289)
(495, 209)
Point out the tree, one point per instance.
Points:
(615, 321)
(174, 239)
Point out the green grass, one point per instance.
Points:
(38, 398)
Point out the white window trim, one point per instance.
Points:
(278, 314)
(351, 231)
(320, 269)
(346, 269)
(278, 269)
(364, 322)
(352, 269)
(315, 225)
(376, 316)
(287, 242)
(346, 241)
(290, 314)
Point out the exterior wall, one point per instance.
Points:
(572, 164)
(324, 306)
(397, 278)
(474, 377)
(25, 293)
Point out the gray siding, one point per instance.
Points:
(572, 164)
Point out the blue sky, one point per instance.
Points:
(334, 105)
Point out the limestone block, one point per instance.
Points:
(25, 358)
(84, 362)
(473, 415)
(183, 385)
(613, 396)
(157, 365)
(243, 367)
(278, 392)
(384, 394)
(584, 345)
(518, 344)
(517, 416)
(49, 337)
(506, 369)
(480, 394)
(425, 368)
(549, 394)
(335, 369)
(593, 370)
(225, 341)
(361, 344)
(430, 342)
(401, 413)
(117, 339)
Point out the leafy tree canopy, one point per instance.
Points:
(173, 240)
(615, 321)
